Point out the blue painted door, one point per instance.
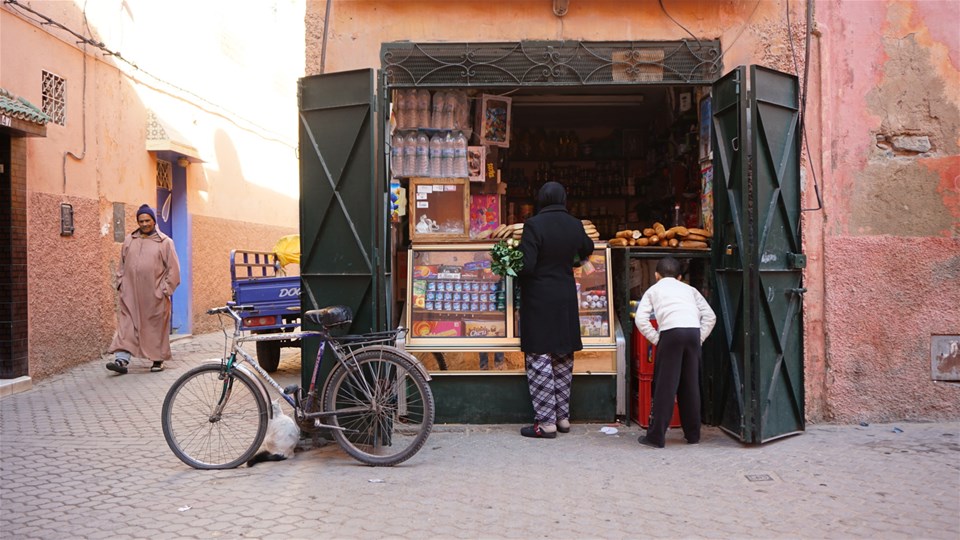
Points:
(174, 221)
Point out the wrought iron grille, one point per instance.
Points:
(551, 63)
(54, 97)
(164, 175)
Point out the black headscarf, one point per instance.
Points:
(551, 193)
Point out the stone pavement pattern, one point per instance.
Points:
(82, 455)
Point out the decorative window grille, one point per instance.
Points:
(164, 175)
(551, 63)
(54, 94)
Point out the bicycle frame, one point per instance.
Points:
(232, 362)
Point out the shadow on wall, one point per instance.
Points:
(228, 161)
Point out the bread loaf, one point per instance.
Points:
(701, 232)
(692, 244)
(618, 242)
(660, 229)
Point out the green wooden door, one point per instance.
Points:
(341, 200)
(755, 374)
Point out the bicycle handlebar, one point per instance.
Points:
(229, 309)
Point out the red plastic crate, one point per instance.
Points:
(643, 352)
(645, 401)
(644, 356)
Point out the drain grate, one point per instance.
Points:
(758, 477)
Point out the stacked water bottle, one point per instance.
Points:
(429, 139)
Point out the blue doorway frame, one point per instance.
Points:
(173, 219)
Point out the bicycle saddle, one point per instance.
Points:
(330, 316)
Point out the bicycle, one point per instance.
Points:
(376, 401)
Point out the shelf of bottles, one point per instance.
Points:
(431, 133)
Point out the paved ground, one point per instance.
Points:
(82, 456)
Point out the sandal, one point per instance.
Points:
(537, 432)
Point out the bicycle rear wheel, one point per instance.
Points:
(203, 438)
(383, 404)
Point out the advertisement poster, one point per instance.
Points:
(484, 213)
(705, 120)
(706, 196)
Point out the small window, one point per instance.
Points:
(164, 175)
(55, 97)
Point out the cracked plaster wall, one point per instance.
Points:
(892, 206)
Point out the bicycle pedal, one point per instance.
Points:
(317, 424)
(292, 389)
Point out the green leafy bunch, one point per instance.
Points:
(506, 259)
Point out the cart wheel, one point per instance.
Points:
(268, 355)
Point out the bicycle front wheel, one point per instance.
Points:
(212, 420)
(383, 406)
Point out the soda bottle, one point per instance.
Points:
(436, 152)
(422, 167)
(396, 155)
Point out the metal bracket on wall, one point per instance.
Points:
(796, 260)
(119, 222)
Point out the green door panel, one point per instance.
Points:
(755, 374)
(339, 200)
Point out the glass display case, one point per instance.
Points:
(455, 299)
(463, 317)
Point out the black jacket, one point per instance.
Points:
(549, 309)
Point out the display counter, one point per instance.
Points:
(463, 323)
(457, 307)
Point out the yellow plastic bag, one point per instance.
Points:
(287, 249)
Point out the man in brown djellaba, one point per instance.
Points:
(148, 274)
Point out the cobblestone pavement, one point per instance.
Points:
(82, 455)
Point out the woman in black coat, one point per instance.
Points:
(553, 243)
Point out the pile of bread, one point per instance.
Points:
(660, 236)
(515, 231)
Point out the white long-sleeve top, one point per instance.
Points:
(675, 305)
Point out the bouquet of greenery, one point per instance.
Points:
(506, 259)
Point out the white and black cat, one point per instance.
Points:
(281, 440)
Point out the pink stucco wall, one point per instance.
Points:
(892, 219)
(880, 70)
(233, 104)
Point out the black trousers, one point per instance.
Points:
(676, 374)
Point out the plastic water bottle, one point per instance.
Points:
(446, 157)
(410, 154)
(396, 155)
(423, 108)
(422, 167)
(460, 155)
(436, 120)
(436, 151)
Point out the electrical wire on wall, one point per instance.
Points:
(803, 93)
(83, 111)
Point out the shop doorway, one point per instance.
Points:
(173, 220)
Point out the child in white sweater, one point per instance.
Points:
(684, 320)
